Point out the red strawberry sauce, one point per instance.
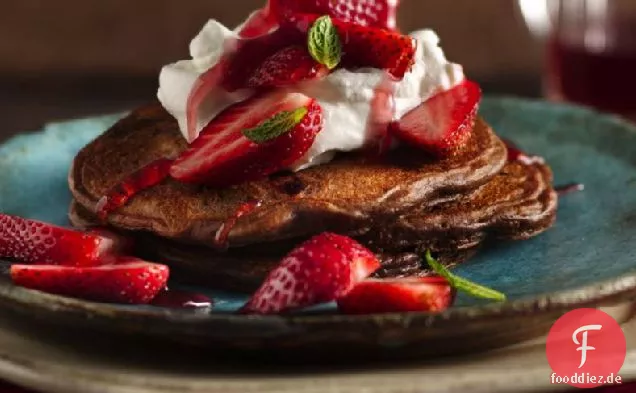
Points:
(220, 240)
(383, 114)
(146, 177)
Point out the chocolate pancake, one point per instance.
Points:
(243, 269)
(347, 195)
(517, 204)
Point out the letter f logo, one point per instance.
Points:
(583, 343)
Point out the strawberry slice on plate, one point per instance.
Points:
(290, 65)
(129, 281)
(444, 123)
(251, 140)
(429, 294)
(321, 270)
(37, 242)
(373, 13)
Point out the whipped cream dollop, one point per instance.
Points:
(345, 95)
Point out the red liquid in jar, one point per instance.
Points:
(601, 76)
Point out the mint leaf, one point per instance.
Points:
(324, 42)
(275, 126)
(461, 284)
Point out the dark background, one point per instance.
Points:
(68, 58)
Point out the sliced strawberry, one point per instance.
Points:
(259, 23)
(444, 123)
(290, 65)
(432, 294)
(373, 13)
(251, 53)
(223, 155)
(148, 176)
(363, 262)
(371, 47)
(235, 67)
(37, 242)
(321, 270)
(114, 244)
(130, 281)
(364, 46)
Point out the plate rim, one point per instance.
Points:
(622, 288)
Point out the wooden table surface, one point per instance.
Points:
(28, 104)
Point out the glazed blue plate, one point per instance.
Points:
(585, 260)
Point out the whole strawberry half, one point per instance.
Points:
(321, 270)
(366, 47)
(444, 123)
(431, 294)
(129, 281)
(290, 65)
(37, 242)
(373, 13)
(227, 152)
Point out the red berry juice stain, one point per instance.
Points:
(223, 233)
(146, 177)
(382, 116)
(182, 299)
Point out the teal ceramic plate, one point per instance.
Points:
(585, 260)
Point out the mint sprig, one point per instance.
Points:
(324, 42)
(277, 125)
(461, 284)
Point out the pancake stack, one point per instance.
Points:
(399, 205)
